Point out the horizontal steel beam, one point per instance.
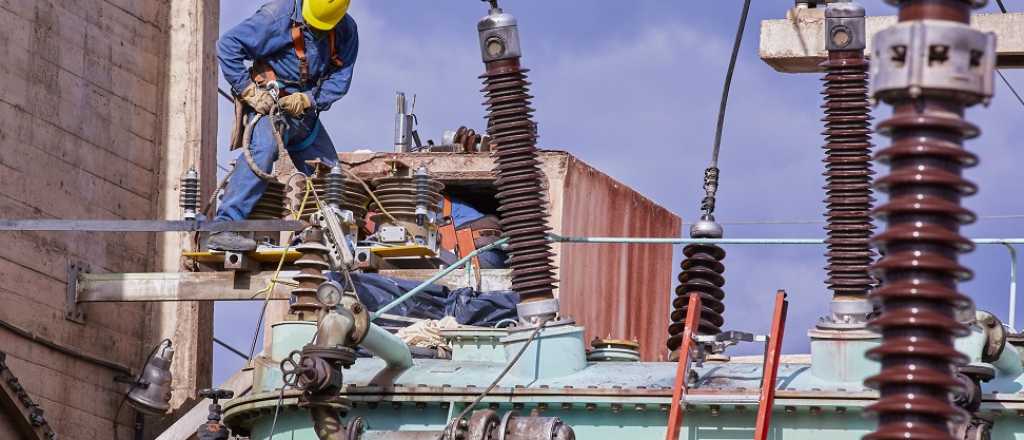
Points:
(796, 44)
(183, 286)
(56, 225)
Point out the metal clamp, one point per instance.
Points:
(935, 58)
(72, 310)
(499, 36)
(845, 29)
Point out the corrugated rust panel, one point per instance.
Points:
(617, 290)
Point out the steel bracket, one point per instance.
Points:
(72, 309)
(240, 262)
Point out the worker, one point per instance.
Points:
(306, 47)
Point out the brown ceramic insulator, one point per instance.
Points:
(919, 270)
(701, 275)
(522, 208)
(312, 262)
(848, 174)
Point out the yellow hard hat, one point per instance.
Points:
(324, 14)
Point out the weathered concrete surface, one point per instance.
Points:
(79, 138)
(622, 291)
(796, 44)
(83, 136)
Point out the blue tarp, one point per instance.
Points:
(466, 305)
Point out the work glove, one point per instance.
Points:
(295, 105)
(258, 98)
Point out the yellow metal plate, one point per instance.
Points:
(267, 255)
(402, 251)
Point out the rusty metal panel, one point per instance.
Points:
(617, 290)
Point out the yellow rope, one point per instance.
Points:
(372, 195)
(274, 281)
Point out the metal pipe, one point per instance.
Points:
(389, 347)
(401, 435)
(1013, 285)
(54, 225)
(738, 241)
(441, 274)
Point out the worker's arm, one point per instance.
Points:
(336, 85)
(258, 37)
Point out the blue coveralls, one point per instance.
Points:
(266, 36)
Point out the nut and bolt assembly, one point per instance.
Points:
(930, 66)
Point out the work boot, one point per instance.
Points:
(230, 241)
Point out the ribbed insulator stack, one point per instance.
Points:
(271, 205)
(930, 66)
(312, 262)
(701, 274)
(353, 195)
(848, 174)
(189, 193)
(334, 188)
(400, 196)
(522, 208)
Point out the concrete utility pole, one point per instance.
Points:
(189, 139)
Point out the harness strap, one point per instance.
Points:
(262, 73)
(300, 51)
(466, 246)
(448, 239)
(332, 40)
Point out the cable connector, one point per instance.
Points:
(710, 190)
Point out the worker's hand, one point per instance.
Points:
(296, 104)
(258, 98)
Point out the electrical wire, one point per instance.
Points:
(64, 349)
(138, 380)
(1002, 8)
(822, 222)
(504, 372)
(728, 83)
(228, 347)
(1010, 86)
(277, 410)
(372, 195)
(274, 281)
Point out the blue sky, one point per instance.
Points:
(632, 88)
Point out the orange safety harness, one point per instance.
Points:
(463, 241)
(262, 73)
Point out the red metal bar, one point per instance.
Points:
(675, 415)
(771, 367)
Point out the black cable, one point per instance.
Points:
(226, 95)
(1010, 86)
(63, 349)
(138, 379)
(728, 83)
(1002, 8)
(230, 348)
